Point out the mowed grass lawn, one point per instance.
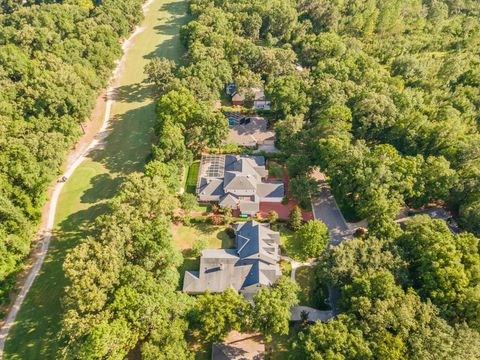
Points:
(289, 243)
(305, 277)
(185, 236)
(192, 176)
(36, 332)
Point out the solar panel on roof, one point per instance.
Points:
(214, 166)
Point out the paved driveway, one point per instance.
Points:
(325, 208)
(313, 314)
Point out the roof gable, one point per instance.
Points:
(254, 262)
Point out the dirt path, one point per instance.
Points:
(94, 133)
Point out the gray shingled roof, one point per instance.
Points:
(211, 187)
(255, 239)
(249, 207)
(239, 181)
(254, 262)
(238, 173)
(234, 163)
(271, 190)
(229, 200)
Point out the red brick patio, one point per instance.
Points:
(282, 210)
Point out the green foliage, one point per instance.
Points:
(271, 310)
(198, 246)
(188, 202)
(287, 129)
(304, 189)
(185, 127)
(288, 95)
(227, 216)
(161, 72)
(54, 59)
(168, 172)
(215, 315)
(295, 218)
(385, 103)
(123, 279)
(380, 319)
(272, 216)
(443, 267)
(334, 340)
(313, 238)
(470, 214)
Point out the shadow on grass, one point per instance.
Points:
(189, 264)
(127, 146)
(172, 47)
(227, 241)
(102, 187)
(206, 230)
(36, 334)
(290, 246)
(137, 92)
(305, 277)
(281, 346)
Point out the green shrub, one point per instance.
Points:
(198, 246)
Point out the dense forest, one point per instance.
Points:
(383, 96)
(54, 59)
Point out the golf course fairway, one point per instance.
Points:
(35, 334)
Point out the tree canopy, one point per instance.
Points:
(54, 59)
(123, 280)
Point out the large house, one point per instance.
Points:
(253, 263)
(237, 182)
(260, 102)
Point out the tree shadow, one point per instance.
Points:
(102, 187)
(190, 263)
(77, 226)
(127, 146)
(171, 48)
(227, 241)
(137, 92)
(39, 322)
